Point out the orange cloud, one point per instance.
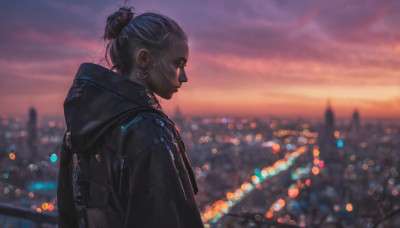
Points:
(259, 58)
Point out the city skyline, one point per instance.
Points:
(277, 58)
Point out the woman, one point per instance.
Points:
(123, 163)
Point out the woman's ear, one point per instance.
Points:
(143, 58)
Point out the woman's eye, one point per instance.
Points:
(181, 64)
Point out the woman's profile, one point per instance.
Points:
(123, 163)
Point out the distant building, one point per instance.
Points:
(3, 143)
(178, 113)
(355, 123)
(327, 140)
(329, 120)
(32, 132)
(178, 118)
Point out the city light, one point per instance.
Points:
(315, 170)
(31, 195)
(52, 124)
(18, 192)
(278, 205)
(46, 185)
(349, 207)
(315, 152)
(293, 191)
(336, 208)
(275, 148)
(221, 207)
(11, 156)
(53, 157)
(266, 167)
(336, 134)
(269, 215)
(45, 206)
(340, 143)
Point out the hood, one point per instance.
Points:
(97, 100)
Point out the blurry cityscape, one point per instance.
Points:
(251, 172)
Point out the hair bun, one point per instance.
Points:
(116, 23)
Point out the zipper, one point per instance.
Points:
(121, 174)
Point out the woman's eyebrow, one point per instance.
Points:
(183, 59)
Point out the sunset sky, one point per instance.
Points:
(259, 57)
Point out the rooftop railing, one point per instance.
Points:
(12, 216)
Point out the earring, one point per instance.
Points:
(139, 76)
(154, 67)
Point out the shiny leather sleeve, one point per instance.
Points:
(160, 192)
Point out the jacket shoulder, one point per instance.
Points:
(142, 131)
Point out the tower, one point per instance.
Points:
(178, 112)
(32, 132)
(355, 122)
(327, 141)
(179, 118)
(329, 120)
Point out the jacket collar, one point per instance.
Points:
(118, 85)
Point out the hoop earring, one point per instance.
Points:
(138, 75)
(154, 67)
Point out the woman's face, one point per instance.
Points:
(169, 73)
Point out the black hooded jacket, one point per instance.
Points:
(122, 162)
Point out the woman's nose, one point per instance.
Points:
(182, 76)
